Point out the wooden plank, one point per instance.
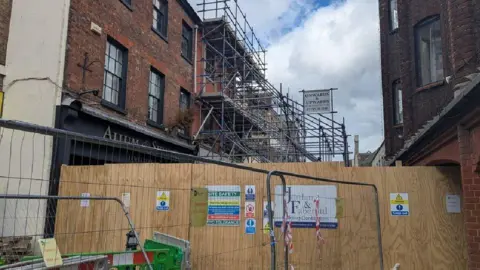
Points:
(429, 238)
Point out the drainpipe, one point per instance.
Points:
(195, 60)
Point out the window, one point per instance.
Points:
(393, 15)
(184, 100)
(428, 45)
(160, 17)
(155, 97)
(187, 41)
(397, 103)
(184, 107)
(114, 82)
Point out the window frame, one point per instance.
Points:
(189, 56)
(161, 98)
(163, 33)
(392, 21)
(418, 68)
(121, 102)
(185, 131)
(397, 103)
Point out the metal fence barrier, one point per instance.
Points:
(37, 197)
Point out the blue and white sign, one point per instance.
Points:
(399, 204)
(249, 193)
(250, 226)
(163, 201)
(301, 206)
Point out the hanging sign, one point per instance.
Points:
(301, 206)
(317, 101)
(163, 201)
(224, 205)
(399, 204)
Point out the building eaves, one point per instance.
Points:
(457, 102)
(190, 11)
(121, 122)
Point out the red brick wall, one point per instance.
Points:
(5, 12)
(470, 151)
(398, 60)
(447, 153)
(132, 28)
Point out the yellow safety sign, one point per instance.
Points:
(399, 200)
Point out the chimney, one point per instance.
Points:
(355, 152)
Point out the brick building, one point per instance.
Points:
(430, 59)
(117, 69)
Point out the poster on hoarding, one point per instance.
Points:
(223, 205)
(301, 207)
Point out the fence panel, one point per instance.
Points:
(30, 207)
(35, 166)
(347, 236)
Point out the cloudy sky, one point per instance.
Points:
(315, 44)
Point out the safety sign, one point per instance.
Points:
(266, 224)
(85, 203)
(249, 209)
(250, 226)
(399, 204)
(163, 201)
(224, 205)
(249, 193)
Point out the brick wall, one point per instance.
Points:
(470, 154)
(5, 11)
(399, 62)
(133, 29)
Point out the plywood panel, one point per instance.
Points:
(428, 239)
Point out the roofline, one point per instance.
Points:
(190, 11)
(456, 102)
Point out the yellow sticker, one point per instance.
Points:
(51, 254)
(340, 203)
(199, 207)
(399, 200)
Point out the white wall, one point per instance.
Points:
(379, 159)
(34, 67)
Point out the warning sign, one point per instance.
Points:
(399, 204)
(163, 201)
(249, 209)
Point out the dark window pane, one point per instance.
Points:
(429, 52)
(397, 103)
(160, 18)
(155, 97)
(114, 74)
(187, 41)
(393, 15)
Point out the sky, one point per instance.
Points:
(318, 44)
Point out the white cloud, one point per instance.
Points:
(335, 46)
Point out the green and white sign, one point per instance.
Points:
(224, 205)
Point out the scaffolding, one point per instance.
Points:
(244, 117)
